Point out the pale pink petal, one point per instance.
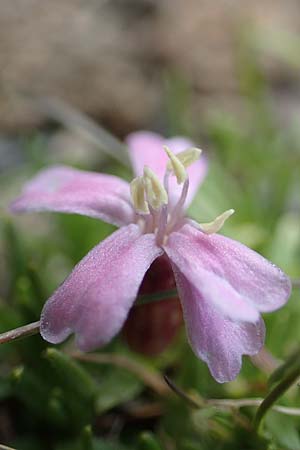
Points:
(215, 339)
(216, 290)
(68, 190)
(146, 148)
(95, 299)
(253, 277)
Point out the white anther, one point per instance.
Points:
(156, 194)
(137, 190)
(176, 165)
(215, 225)
(189, 156)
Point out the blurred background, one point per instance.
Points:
(224, 73)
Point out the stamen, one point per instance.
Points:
(156, 193)
(162, 225)
(215, 225)
(176, 165)
(166, 181)
(137, 190)
(178, 209)
(189, 156)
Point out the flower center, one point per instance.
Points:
(150, 196)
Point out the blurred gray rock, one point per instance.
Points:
(91, 53)
(107, 57)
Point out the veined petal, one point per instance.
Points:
(146, 148)
(68, 190)
(95, 299)
(215, 290)
(215, 339)
(253, 277)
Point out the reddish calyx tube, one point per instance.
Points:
(150, 328)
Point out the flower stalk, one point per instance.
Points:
(34, 327)
(20, 332)
(229, 403)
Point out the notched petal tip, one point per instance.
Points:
(215, 338)
(255, 334)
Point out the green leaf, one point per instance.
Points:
(284, 430)
(71, 375)
(116, 388)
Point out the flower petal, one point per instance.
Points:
(216, 340)
(146, 148)
(68, 190)
(216, 290)
(95, 299)
(253, 277)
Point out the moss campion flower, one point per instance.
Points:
(223, 285)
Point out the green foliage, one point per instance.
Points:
(148, 441)
(117, 387)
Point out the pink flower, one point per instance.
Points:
(223, 285)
